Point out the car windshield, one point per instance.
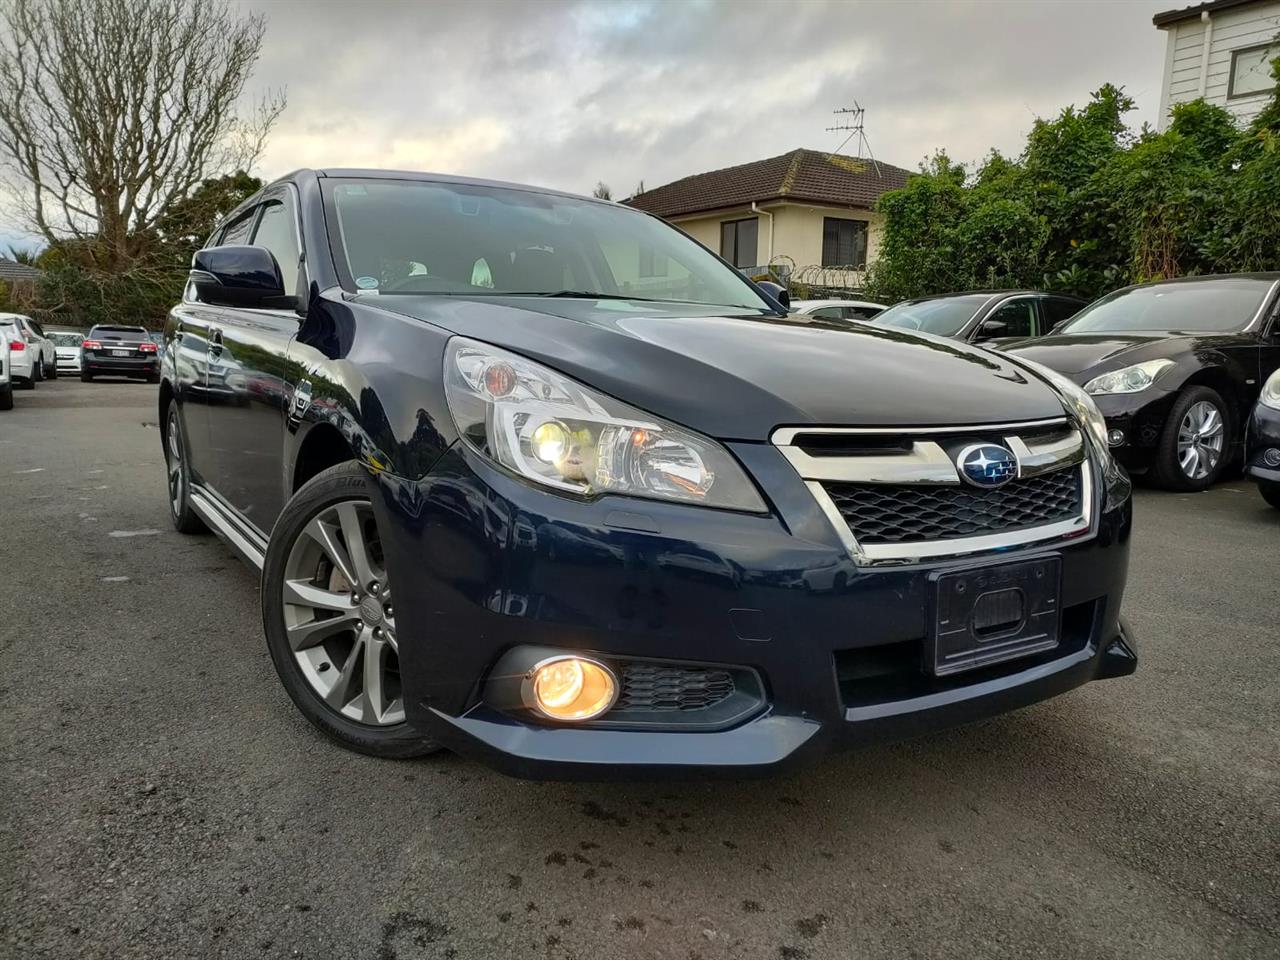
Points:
(450, 239)
(1223, 305)
(133, 334)
(66, 339)
(945, 316)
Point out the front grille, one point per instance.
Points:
(667, 687)
(888, 514)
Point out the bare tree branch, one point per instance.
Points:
(114, 111)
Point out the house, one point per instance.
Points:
(19, 283)
(1222, 51)
(806, 210)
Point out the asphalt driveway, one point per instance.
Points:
(159, 795)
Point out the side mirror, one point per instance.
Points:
(990, 329)
(776, 291)
(238, 276)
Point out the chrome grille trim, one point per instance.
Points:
(925, 462)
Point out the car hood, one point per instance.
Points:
(1083, 356)
(738, 377)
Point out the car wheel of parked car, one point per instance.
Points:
(1195, 442)
(1270, 493)
(52, 371)
(37, 372)
(6, 397)
(175, 456)
(329, 621)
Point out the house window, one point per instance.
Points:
(844, 242)
(1251, 70)
(738, 242)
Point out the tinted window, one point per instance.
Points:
(862, 313)
(738, 242)
(1018, 316)
(39, 330)
(1056, 310)
(844, 242)
(276, 232)
(118, 333)
(66, 339)
(237, 231)
(1224, 305)
(449, 239)
(945, 316)
(828, 313)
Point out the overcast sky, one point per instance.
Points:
(563, 94)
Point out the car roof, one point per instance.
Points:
(796, 304)
(361, 173)
(1024, 292)
(1266, 276)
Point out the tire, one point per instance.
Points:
(178, 475)
(6, 397)
(323, 674)
(53, 371)
(37, 374)
(86, 376)
(1168, 469)
(1270, 490)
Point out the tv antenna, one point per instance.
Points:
(852, 120)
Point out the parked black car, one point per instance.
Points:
(983, 316)
(540, 479)
(1263, 445)
(118, 351)
(1175, 367)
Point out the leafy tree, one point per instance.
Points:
(602, 191)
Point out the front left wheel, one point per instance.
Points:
(329, 619)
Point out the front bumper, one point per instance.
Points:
(69, 362)
(1262, 445)
(1141, 418)
(484, 563)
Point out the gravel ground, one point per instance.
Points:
(160, 797)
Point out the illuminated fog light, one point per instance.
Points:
(572, 688)
(550, 442)
(1115, 437)
(1272, 457)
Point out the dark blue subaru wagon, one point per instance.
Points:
(540, 479)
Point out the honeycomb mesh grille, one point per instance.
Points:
(654, 686)
(878, 513)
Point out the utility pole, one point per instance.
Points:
(851, 120)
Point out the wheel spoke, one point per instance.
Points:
(375, 663)
(340, 693)
(357, 548)
(313, 632)
(307, 594)
(325, 534)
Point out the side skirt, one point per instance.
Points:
(247, 543)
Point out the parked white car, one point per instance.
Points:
(837, 309)
(6, 382)
(28, 337)
(66, 344)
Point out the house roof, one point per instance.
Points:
(801, 175)
(1187, 13)
(11, 270)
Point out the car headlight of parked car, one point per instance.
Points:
(1132, 379)
(1271, 391)
(556, 432)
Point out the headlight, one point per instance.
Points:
(1080, 403)
(1271, 391)
(1132, 379)
(560, 434)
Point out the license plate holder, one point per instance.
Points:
(986, 615)
(121, 353)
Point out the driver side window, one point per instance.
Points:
(1018, 316)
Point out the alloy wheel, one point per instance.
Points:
(1200, 440)
(177, 476)
(338, 615)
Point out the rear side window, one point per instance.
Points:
(276, 232)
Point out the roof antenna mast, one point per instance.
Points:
(850, 119)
